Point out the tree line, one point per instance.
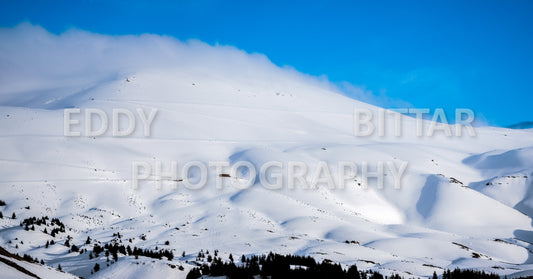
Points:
(278, 266)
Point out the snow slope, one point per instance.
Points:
(464, 201)
(13, 266)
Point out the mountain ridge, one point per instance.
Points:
(464, 201)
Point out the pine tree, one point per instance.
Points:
(194, 274)
(353, 273)
(74, 248)
(13, 216)
(1, 215)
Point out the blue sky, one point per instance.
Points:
(430, 54)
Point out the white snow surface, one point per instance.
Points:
(431, 223)
(41, 271)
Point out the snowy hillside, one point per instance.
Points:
(463, 202)
(14, 266)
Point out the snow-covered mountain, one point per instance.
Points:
(463, 202)
(522, 125)
(13, 266)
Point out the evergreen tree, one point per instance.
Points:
(74, 248)
(194, 274)
(128, 250)
(353, 273)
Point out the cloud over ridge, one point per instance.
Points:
(33, 59)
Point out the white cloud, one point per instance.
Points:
(368, 96)
(34, 61)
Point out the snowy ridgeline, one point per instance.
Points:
(463, 201)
